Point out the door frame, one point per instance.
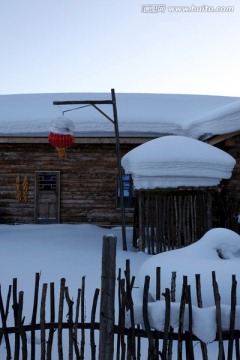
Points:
(48, 172)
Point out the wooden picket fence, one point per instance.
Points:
(170, 219)
(67, 334)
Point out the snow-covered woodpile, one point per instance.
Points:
(174, 161)
(174, 178)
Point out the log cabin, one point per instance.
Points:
(36, 186)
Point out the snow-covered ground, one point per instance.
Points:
(73, 251)
(218, 250)
(57, 251)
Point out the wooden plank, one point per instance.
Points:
(60, 318)
(15, 314)
(217, 139)
(7, 307)
(82, 311)
(52, 320)
(166, 324)
(34, 314)
(107, 304)
(232, 316)
(217, 299)
(93, 320)
(4, 328)
(75, 332)
(21, 329)
(200, 305)
(151, 351)
(70, 322)
(181, 317)
(43, 321)
(189, 342)
(142, 225)
(130, 306)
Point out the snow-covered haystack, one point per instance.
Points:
(218, 250)
(174, 161)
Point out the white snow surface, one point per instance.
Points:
(62, 125)
(138, 114)
(219, 121)
(203, 319)
(173, 161)
(73, 251)
(218, 250)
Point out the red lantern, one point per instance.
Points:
(61, 142)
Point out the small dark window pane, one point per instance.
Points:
(128, 192)
(47, 182)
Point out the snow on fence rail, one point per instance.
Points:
(153, 326)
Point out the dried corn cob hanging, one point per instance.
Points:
(18, 189)
(25, 189)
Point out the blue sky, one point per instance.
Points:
(75, 46)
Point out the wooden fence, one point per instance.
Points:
(170, 219)
(67, 334)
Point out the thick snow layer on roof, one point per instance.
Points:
(173, 161)
(223, 120)
(138, 114)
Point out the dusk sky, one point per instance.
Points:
(50, 46)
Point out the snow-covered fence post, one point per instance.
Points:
(107, 309)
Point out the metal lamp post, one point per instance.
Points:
(114, 121)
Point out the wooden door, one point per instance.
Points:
(47, 197)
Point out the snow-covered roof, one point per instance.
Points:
(197, 116)
(173, 161)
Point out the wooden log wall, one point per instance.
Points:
(88, 182)
(232, 147)
(230, 196)
(171, 219)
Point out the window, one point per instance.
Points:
(47, 182)
(128, 191)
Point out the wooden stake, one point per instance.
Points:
(42, 322)
(107, 308)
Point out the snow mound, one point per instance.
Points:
(202, 258)
(204, 325)
(173, 161)
(62, 125)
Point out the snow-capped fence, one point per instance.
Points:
(154, 329)
(181, 323)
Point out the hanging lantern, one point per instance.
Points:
(61, 136)
(61, 142)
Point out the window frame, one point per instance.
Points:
(129, 200)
